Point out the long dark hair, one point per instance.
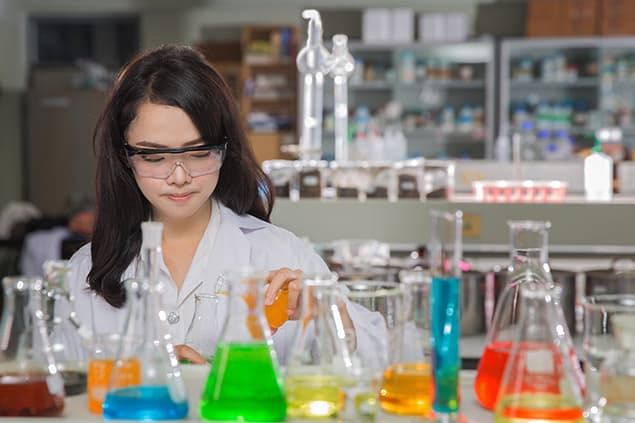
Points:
(175, 76)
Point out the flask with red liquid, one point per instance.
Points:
(30, 381)
(528, 263)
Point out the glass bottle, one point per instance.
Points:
(617, 373)
(320, 364)
(202, 334)
(540, 381)
(446, 250)
(244, 355)
(146, 381)
(30, 383)
(528, 263)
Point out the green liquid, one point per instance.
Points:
(314, 396)
(243, 385)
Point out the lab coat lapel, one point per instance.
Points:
(230, 249)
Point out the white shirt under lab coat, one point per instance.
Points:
(230, 241)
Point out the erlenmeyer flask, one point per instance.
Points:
(319, 365)
(64, 327)
(30, 384)
(528, 263)
(244, 383)
(146, 381)
(446, 250)
(202, 334)
(540, 382)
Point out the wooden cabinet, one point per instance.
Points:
(268, 99)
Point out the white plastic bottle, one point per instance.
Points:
(598, 175)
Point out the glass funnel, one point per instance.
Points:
(446, 250)
(30, 383)
(319, 365)
(540, 381)
(146, 381)
(528, 263)
(244, 383)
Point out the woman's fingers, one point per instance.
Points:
(183, 352)
(277, 279)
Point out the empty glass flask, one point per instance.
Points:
(30, 382)
(244, 383)
(202, 334)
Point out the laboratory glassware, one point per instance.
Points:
(320, 364)
(146, 381)
(244, 354)
(30, 382)
(342, 68)
(202, 334)
(528, 263)
(540, 382)
(445, 247)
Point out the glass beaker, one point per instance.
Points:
(146, 381)
(103, 352)
(446, 249)
(540, 382)
(383, 303)
(599, 341)
(617, 373)
(30, 383)
(319, 365)
(244, 354)
(202, 334)
(528, 263)
(407, 387)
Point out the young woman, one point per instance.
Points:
(171, 148)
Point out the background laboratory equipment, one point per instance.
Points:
(314, 63)
(446, 250)
(342, 67)
(541, 378)
(244, 383)
(30, 383)
(320, 364)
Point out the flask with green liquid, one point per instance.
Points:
(244, 383)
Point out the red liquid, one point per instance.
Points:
(490, 373)
(28, 395)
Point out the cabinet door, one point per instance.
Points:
(60, 158)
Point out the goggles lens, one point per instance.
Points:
(160, 163)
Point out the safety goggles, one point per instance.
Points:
(159, 163)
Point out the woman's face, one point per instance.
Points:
(179, 195)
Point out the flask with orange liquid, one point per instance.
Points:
(541, 378)
(528, 264)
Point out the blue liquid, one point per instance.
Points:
(446, 362)
(143, 403)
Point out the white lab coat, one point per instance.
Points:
(230, 241)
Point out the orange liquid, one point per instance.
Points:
(407, 389)
(23, 395)
(99, 371)
(276, 313)
(490, 372)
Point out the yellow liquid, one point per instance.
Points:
(525, 408)
(407, 389)
(311, 396)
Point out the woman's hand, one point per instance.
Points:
(285, 278)
(183, 352)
